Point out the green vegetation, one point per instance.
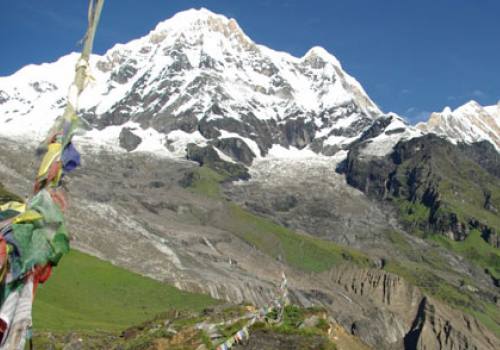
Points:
(207, 182)
(177, 330)
(466, 198)
(230, 330)
(414, 216)
(86, 293)
(431, 257)
(475, 249)
(303, 252)
(460, 187)
(293, 324)
(420, 272)
(433, 285)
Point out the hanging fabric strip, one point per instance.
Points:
(33, 235)
(243, 334)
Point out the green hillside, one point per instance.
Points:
(88, 294)
(303, 252)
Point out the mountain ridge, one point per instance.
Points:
(468, 123)
(196, 83)
(198, 78)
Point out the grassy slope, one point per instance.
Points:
(475, 249)
(463, 186)
(302, 252)
(88, 294)
(422, 275)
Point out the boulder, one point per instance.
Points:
(128, 140)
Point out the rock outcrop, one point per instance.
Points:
(128, 140)
(235, 148)
(413, 320)
(207, 156)
(432, 175)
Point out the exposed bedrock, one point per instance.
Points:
(432, 173)
(404, 317)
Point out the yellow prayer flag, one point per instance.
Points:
(16, 206)
(27, 216)
(53, 154)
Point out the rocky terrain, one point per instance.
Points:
(431, 173)
(213, 164)
(195, 239)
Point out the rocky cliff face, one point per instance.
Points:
(415, 321)
(437, 326)
(432, 173)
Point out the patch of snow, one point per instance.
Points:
(178, 141)
(339, 140)
(249, 142)
(278, 151)
(224, 156)
(322, 53)
(383, 144)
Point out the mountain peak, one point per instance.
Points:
(470, 122)
(187, 17)
(199, 21)
(446, 110)
(470, 107)
(197, 26)
(322, 53)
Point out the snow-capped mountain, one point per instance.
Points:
(196, 77)
(468, 123)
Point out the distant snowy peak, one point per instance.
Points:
(468, 123)
(197, 77)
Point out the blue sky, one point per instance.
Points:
(412, 56)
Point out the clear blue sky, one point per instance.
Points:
(412, 56)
